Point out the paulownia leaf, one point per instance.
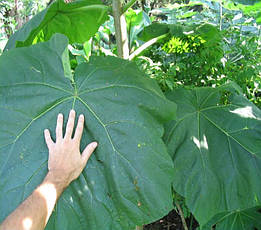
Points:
(248, 219)
(78, 20)
(215, 144)
(127, 181)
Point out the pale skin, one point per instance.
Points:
(65, 164)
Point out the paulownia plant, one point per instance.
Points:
(215, 142)
(127, 182)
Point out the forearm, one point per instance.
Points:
(65, 164)
(35, 211)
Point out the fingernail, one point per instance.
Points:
(94, 144)
(81, 116)
(72, 111)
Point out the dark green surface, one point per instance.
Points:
(216, 147)
(79, 21)
(248, 219)
(127, 181)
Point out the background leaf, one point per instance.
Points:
(215, 144)
(78, 20)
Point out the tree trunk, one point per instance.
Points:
(120, 30)
(143, 4)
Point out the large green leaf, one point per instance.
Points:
(78, 20)
(127, 181)
(247, 219)
(215, 144)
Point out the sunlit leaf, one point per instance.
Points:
(78, 20)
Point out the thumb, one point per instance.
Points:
(87, 152)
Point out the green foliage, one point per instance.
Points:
(7, 24)
(188, 59)
(243, 66)
(135, 20)
(232, 54)
(188, 44)
(124, 112)
(216, 150)
(13, 14)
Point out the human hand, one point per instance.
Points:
(65, 160)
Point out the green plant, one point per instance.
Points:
(214, 141)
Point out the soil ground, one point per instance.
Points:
(171, 222)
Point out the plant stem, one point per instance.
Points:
(120, 30)
(128, 5)
(146, 45)
(191, 221)
(139, 228)
(221, 15)
(182, 216)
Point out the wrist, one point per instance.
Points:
(58, 179)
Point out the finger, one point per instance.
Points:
(70, 125)
(88, 151)
(79, 129)
(59, 127)
(48, 139)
